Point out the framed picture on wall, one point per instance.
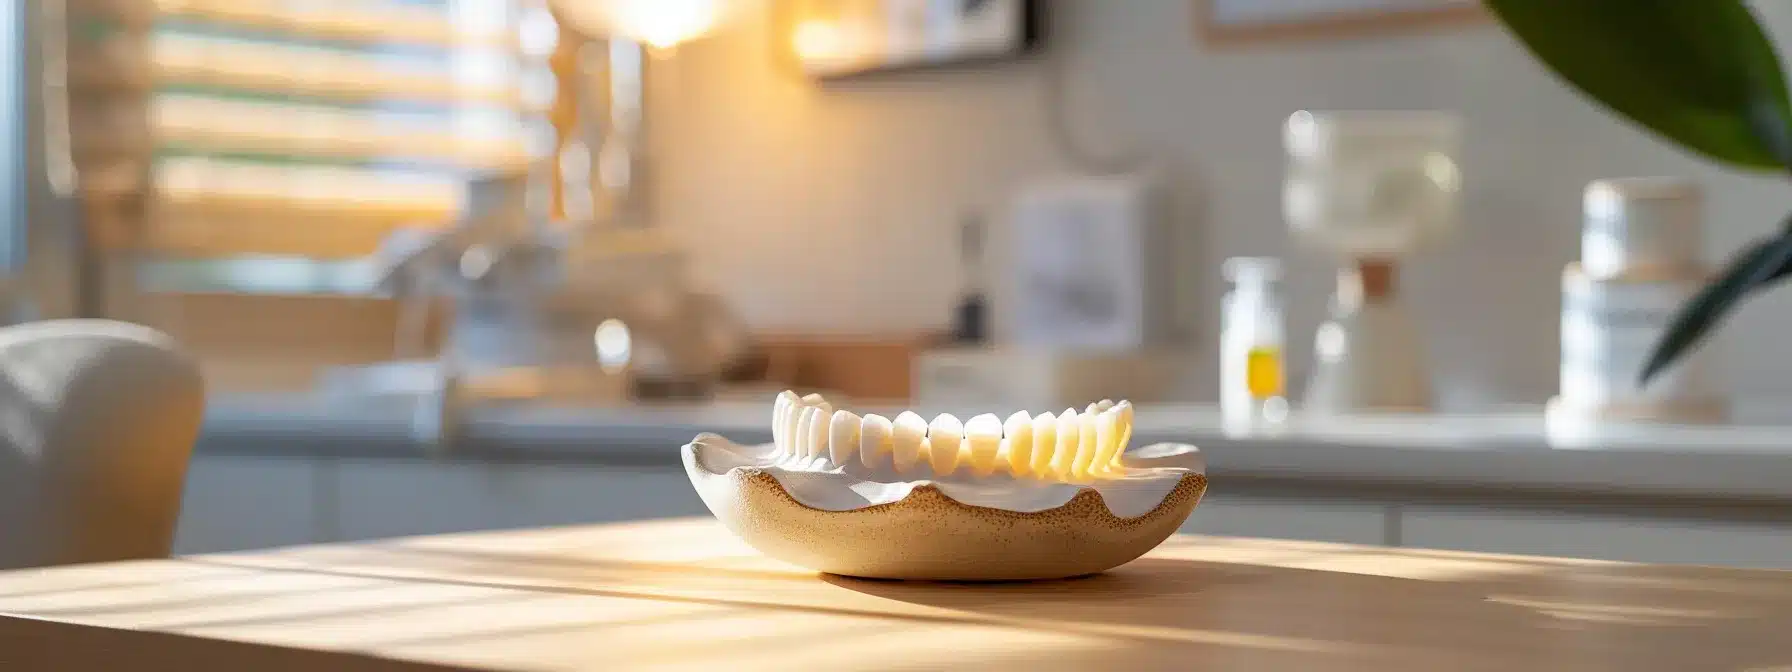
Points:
(835, 38)
(1087, 265)
(1231, 22)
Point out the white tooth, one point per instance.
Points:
(1017, 443)
(945, 437)
(805, 427)
(907, 434)
(1123, 431)
(1104, 405)
(781, 410)
(843, 437)
(792, 416)
(778, 404)
(1045, 442)
(1087, 445)
(983, 435)
(1107, 442)
(874, 440)
(816, 440)
(1070, 430)
(778, 425)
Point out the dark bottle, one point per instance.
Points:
(971, 317)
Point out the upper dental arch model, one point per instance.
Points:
(1070, 448)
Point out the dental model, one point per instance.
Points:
(1026, 497)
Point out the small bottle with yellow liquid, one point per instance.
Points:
(1252, 376)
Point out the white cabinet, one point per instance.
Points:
(1286, 518)
(535, 495)
(394, 498)
(400, 498)
(1598, 536)
(238, 503)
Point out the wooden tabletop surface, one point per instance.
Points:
(684, 594)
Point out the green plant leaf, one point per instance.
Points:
(1760, 265)
(1699, 72)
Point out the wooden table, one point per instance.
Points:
(683, 594)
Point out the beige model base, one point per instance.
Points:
(929, 536)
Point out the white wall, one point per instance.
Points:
(834, 208)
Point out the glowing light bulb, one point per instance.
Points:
(663, 24)
(816, 41)
(613, 344)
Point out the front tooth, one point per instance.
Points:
(1045, 442)
(1123, 434)
(793, 414)
(1088, 444)
(874, 440)
(843, 436)
(983, 434)
(1107, 441)
(807, 417)
(1070, 425)
(818, 433)
(778, 424)
(1017, 442)
(816, 440)
(1103, 405)
(906, 436)
(781, 410)
(945, 437)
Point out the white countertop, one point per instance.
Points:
(1516, 428)
(1509, 450)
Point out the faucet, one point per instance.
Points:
(494, 265)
